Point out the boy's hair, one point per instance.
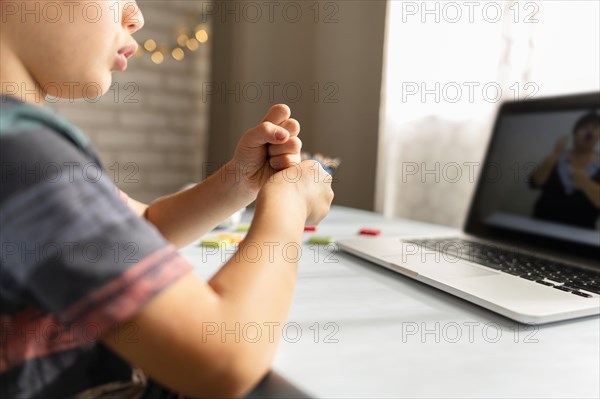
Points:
(588, 118)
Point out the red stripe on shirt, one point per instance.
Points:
(107, 308)
(30, 333)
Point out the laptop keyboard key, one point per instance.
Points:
(583, 294)
(560, 287)
(592, 288)
(529, 277)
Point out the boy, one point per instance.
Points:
(84, 325)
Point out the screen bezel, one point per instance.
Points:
(478, 229)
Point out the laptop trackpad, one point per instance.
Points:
(440, 268)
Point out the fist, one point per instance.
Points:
(269, 147)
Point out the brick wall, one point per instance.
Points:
(151, 128)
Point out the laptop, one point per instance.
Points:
(530, 247)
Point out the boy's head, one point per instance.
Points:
(68, 48)
(587, 131)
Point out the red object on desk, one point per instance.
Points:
(369, 232)
(310, 228)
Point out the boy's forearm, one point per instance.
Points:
(271, 247)
(257, 283)
(184, 216)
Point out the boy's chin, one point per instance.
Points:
(90, 90)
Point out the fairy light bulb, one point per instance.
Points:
(192, 44)
(202, 36)
(177, 54)
(150, 45)
(182, 39)
(157, 57)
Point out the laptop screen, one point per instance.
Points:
(540, 182)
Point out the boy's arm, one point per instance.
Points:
(189, 337)
(138, 207)
(186, 215)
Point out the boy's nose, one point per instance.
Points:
(133, 19)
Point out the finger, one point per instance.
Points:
(292, 146)
(292, 126)
(284, 161)
(265, 133)
(277, 114)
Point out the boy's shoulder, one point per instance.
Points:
(38, 146)
(18, 117)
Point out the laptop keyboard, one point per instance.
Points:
(543, 271)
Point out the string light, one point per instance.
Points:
(150, 45)
(187, 39)
(182, 39)
(157, 57)
(192, 44)
(201, 36)
(177, 53)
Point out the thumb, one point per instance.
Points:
(265, 133)
(277, 114)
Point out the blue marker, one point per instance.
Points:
(323, 165)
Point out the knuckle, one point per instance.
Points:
(264, 127)
(251, 130)
(294, 124)
(296, 144)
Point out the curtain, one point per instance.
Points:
(447, 68)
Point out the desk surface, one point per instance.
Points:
(369, 332)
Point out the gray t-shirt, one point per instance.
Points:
(75, 259)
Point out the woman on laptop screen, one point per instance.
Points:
(569, 179)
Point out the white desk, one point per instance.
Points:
(383, 348)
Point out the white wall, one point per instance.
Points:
(334, 50)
